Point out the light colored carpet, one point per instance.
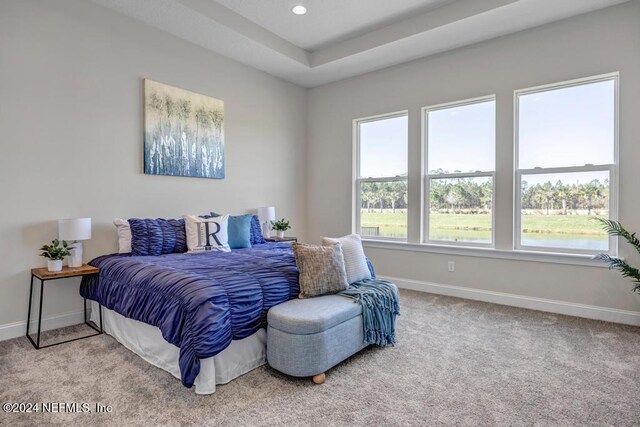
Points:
(456, 362)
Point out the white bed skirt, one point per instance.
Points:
(147, 342)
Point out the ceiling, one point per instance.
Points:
(328, 21)
(338, 39)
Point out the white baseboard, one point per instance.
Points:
(532, 303)
(19, 329)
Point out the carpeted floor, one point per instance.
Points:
(457, 362)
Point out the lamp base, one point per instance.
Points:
(266, 229)
(75, 259)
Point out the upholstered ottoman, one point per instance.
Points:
(306, 337)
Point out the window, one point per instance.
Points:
(566, 165)
(381, 176)
(459, 143)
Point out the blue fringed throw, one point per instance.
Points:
(380, 303)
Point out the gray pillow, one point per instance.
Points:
(321, 269)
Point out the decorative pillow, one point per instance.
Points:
(157, 236)
(355, 261)
(174, 239)
(256, 232)
(124, 235)
(207, 234)
(146, 237)
(321, 269)
(181, 235)
(239, 230)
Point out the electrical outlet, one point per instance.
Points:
(451, 266)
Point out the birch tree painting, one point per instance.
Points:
(183, 132)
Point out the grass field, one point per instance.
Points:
(477, 227)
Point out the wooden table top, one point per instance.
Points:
(280, 239)
(44, 274)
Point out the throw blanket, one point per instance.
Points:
(200, 302)
(380, 303)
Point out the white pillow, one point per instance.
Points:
(207, 234)
(355, 261)
(124, 235)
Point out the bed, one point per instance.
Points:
(199, 316)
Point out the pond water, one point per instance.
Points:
(589, 236)
(572, 241)
(547, 240)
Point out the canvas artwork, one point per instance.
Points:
(183, 132)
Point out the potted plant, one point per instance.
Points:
(280, 226)
(614, 228)
(55, 253)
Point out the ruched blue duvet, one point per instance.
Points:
(200, 301)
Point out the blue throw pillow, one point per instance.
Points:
(256, 231)
(157, 236)
(238, 230)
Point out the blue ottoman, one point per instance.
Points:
(306, 337)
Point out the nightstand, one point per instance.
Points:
(274, 239)
(45, 275)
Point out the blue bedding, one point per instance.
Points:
(200, 302)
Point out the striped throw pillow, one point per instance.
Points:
(355, 261)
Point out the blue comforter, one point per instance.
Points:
(200, 302)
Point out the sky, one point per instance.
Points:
(462, 138)
(383, 147)
(563, 127)
(571, 126)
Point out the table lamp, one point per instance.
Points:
(266, 215)
(74, 230)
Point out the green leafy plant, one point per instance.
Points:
(614, 228)
(280, 225)
(57, 250)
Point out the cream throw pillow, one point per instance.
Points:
(124, 235)
(206, 234)
(355, 261)
(320, 269)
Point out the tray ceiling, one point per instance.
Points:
(338, 39)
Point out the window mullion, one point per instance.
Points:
(477, 174)
(384, 179)
(565, 169)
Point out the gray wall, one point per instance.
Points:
(71, 128)
(71, 136)
(597, 43)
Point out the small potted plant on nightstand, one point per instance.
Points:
(280, 226)
(55, 253)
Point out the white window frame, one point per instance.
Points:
(357, 181)
(612, 168)
(427, 177)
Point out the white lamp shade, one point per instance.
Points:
(74, 229)
(267, 214)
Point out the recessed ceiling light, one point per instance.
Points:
(299, 10)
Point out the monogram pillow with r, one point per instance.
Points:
(207, 234)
